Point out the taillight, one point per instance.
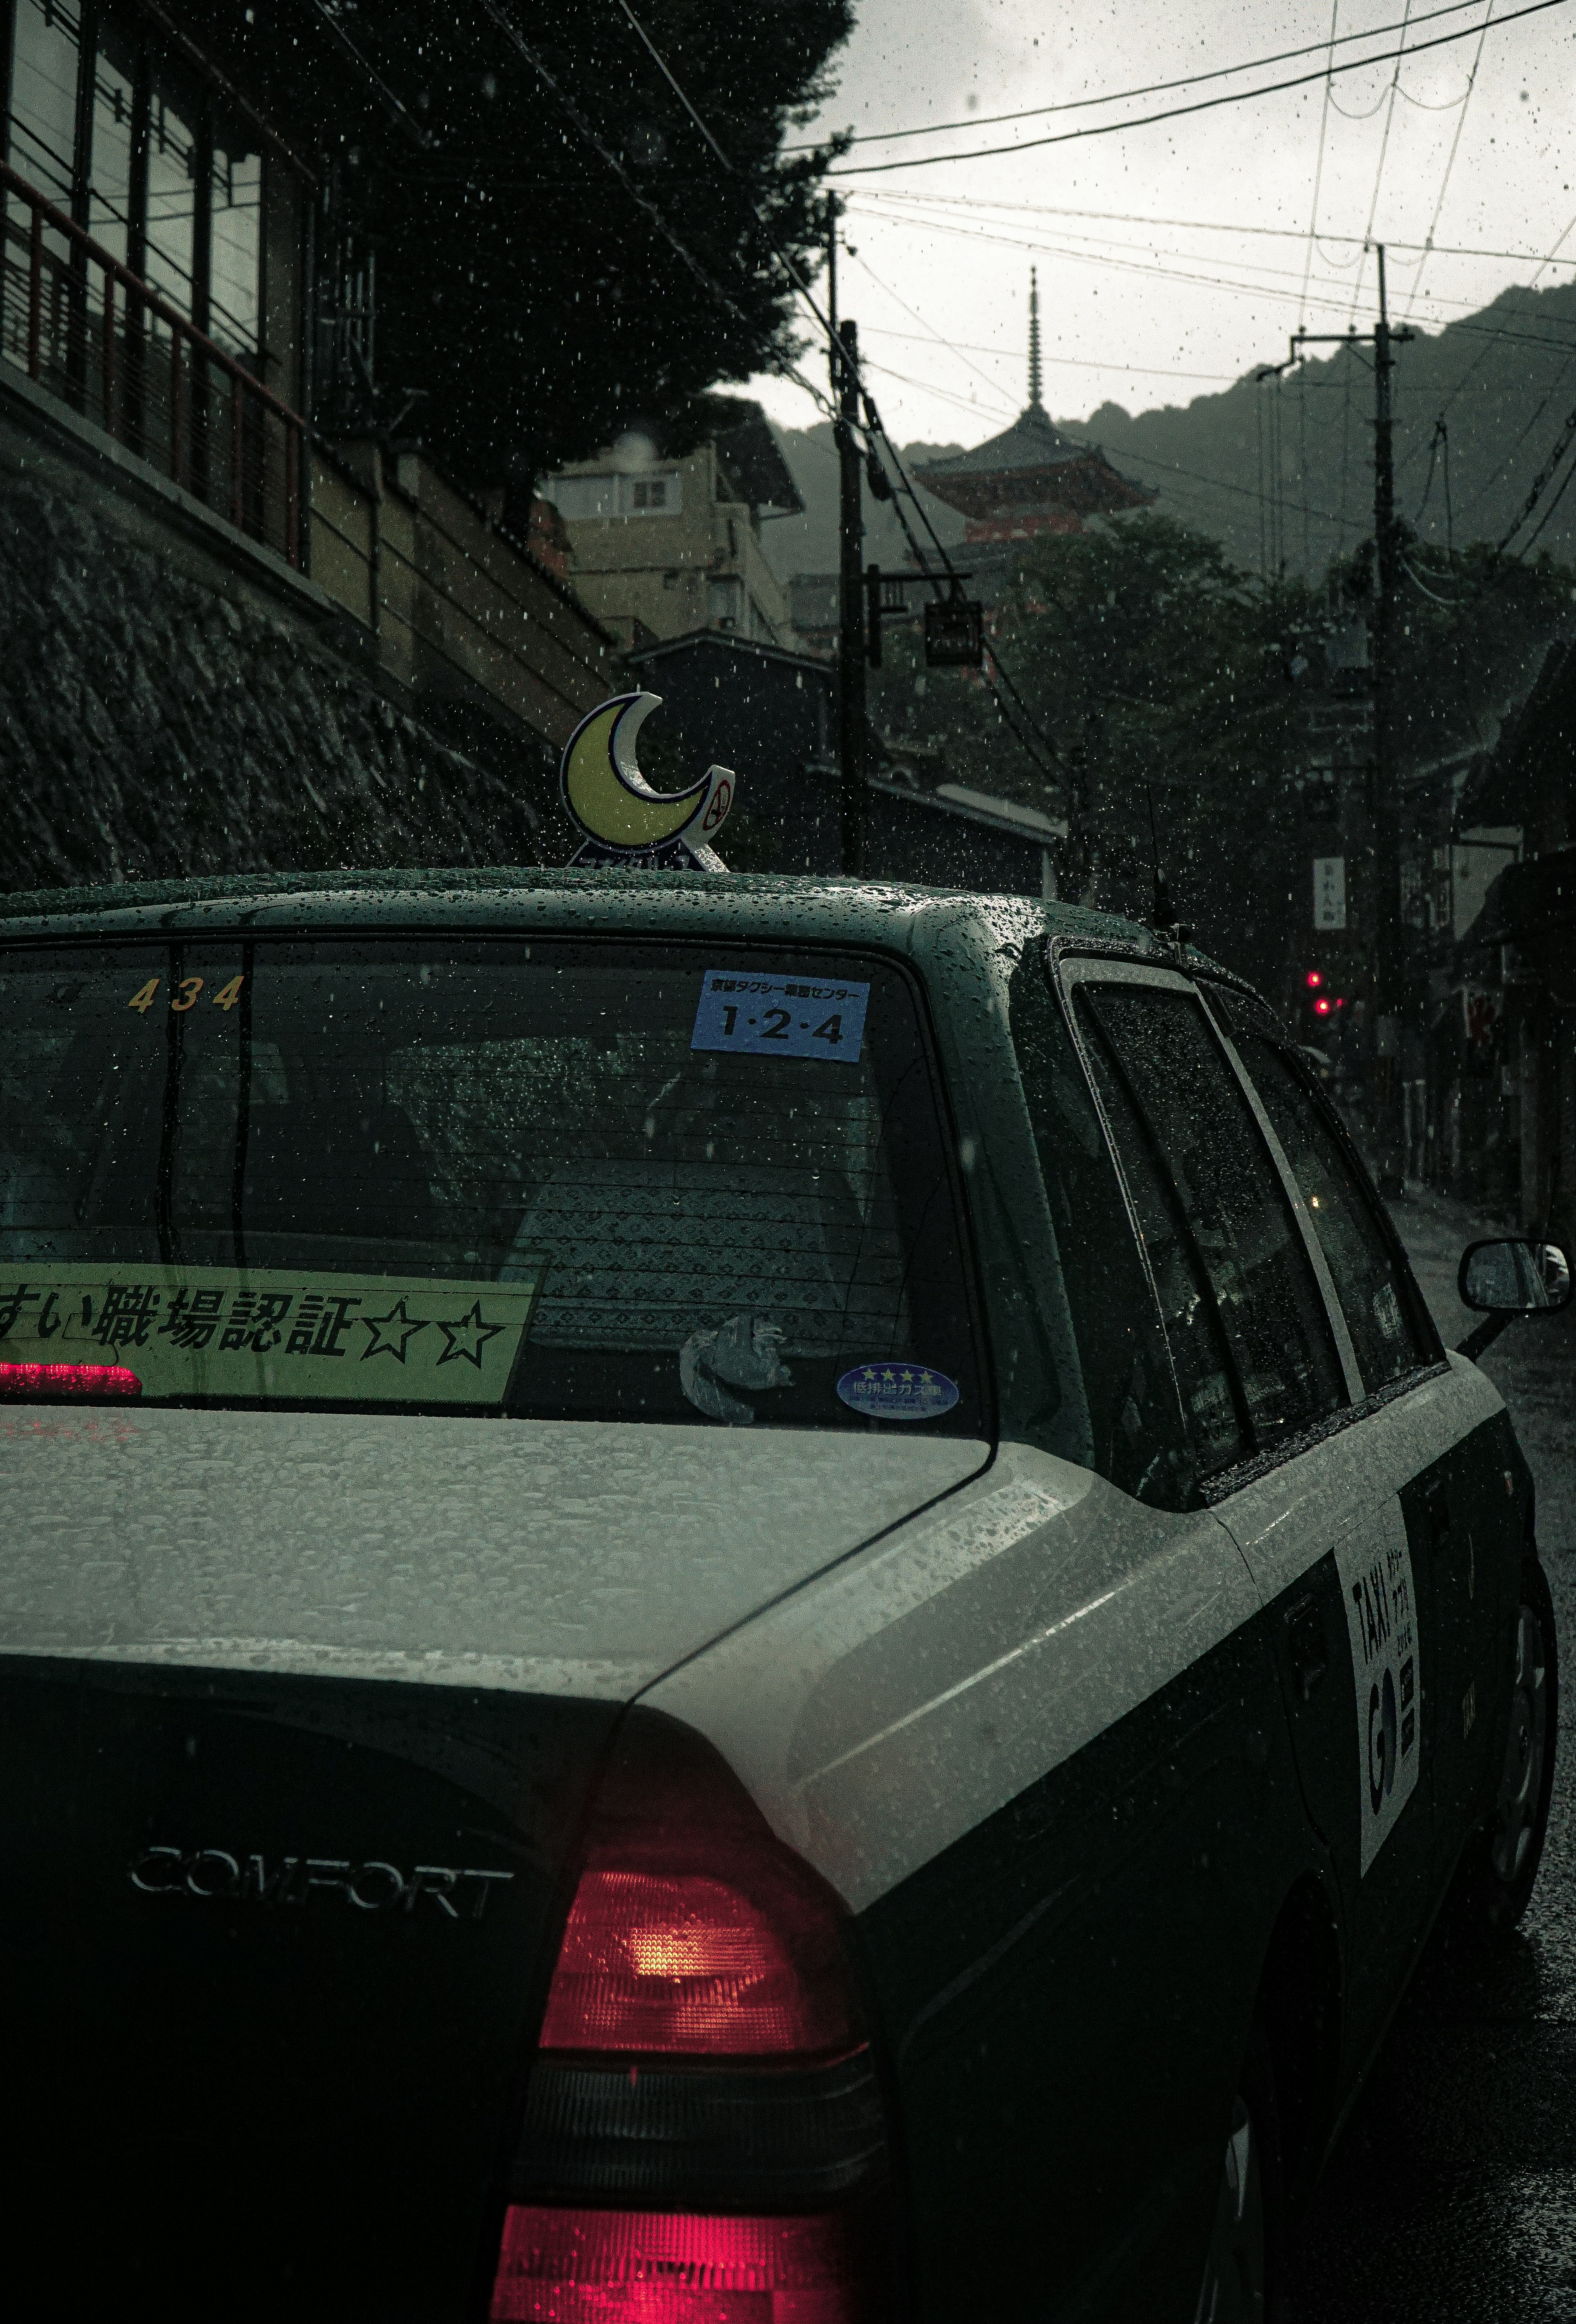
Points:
(703, 2140)
(591, 2267)
(69, 1380)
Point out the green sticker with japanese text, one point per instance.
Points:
(271, 1332)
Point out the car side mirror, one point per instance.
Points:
(1514, 1277)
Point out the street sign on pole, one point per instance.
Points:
(1330, 891)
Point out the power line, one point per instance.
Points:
(1373, 209)
(1319, 164)
(842, 346)
(1149, 89)
(1526, 548)
(1176, 112)
(935, 335)
(1194, 226)
(1262, 287)
(1449, 165)
(1495, 332)
(1540, 483)
(648, 208)
(1072, 362)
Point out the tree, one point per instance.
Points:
(1159, 675)
(1166, 681)
(524, 292)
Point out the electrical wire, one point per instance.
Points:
(1541, 482)
(839, 344)
(499, 17)
(1319, 164)
(1176, 112)
(1071, 363)
(1556, 384)
(1491, 334)
(1149, 89)
(935, 335)
(1373, 209)
(1192, 225)
(1265, 285)
(1449, 165)
(1525, 550)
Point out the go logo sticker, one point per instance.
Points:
(1375, 1565)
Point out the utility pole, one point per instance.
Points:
(852, 740)
(1383, 932)
(1386, 803)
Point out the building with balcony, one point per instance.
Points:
(259, 628)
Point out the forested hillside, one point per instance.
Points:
(1503, 381)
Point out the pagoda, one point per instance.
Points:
(1027, 484)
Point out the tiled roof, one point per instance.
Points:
(1032, 442)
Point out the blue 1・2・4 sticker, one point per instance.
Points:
(897, 1391)
(780, 1016)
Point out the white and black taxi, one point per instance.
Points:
(725, 1599)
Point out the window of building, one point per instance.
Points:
(44, 96)
(726, 600)
(592, 499)
(146, 155)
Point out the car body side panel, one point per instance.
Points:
(883, 1713)
(1465, 1520)
(1035, 1738)
(1309, 1528)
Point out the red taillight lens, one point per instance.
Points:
(657, 2267)
(688, 1962)
(693, 1931)
(68, 1379)
(703, 2113)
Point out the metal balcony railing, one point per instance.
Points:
(91, 332)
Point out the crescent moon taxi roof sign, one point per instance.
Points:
(624, 820)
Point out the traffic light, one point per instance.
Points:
(1323, 1005)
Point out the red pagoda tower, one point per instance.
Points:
(1029, 481)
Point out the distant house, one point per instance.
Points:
(772, 716)
(664, 541)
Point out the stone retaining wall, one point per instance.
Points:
(155, 721)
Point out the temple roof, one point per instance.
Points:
(1032, 442)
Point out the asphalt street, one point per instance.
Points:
(1451, 2196)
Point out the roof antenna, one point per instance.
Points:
(1162, 912)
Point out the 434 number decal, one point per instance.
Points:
(186, 995)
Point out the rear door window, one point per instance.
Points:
(1380, 1305)
(1136, 1428)
(586, 1181)
(1188, 1118)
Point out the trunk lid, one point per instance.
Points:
(301, 1715)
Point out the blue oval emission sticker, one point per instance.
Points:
(897, 1391)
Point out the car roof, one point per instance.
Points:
(895, 915)
(753, 903)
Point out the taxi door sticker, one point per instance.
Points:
(1375, 1565)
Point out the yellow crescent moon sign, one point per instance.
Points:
(611, 799)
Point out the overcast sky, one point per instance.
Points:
(1151, 313)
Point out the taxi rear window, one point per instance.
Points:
(588, 1180)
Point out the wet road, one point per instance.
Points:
(1452, 2198)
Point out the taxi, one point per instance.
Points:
(728, 1598)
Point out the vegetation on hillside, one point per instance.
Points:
(1162, 677)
